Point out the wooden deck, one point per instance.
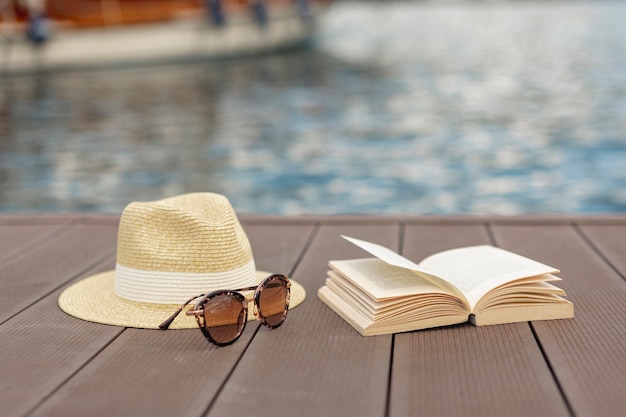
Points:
(52, 364)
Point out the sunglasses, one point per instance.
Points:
(222, 315)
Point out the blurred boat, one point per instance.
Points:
(61, 34)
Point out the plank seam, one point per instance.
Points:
(48, 237)
(209, 406)
(490, 234)
(546, 359)
(401, 235)
(305, 249)
(589, 241)
(96, 263)
(73, 374)
(390, 377)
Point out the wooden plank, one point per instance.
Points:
(43, 269)
(477, 371)
(58, 219)
(42, 347)
(54, 364)
(587, 353)
(315, 364)
(101, 219)
(465, 370)
(148, 373)
(178, 372)
(610, 242)
(37, 219)
(16, 239)
(277, 248)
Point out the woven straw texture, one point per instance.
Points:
(190, 233)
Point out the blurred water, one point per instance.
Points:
(417, 108)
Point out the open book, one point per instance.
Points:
(482, 284)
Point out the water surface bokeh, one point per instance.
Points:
(436, 107)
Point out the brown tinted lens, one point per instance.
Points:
(273, 301)
(224, 317)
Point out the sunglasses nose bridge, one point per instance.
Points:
(255, 309)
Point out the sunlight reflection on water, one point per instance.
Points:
(402, 108)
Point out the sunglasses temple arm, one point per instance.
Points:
(166, 323)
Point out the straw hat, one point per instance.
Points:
(168, 251)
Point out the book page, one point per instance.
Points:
(399, 323)
(392, 258)
(382, 281)
(381, 252)
(476, 270)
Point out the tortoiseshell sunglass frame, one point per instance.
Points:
(198, 310)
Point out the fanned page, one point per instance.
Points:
(476, 270)
(381, 281)
(392, 258)
(386, 254)
(473, 271)
(378, 298)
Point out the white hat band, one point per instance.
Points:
(176, 287)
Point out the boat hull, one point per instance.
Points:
(192, 38)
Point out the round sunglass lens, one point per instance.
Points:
(224, 317)
(273, 301)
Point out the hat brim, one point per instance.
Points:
(93, 299)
